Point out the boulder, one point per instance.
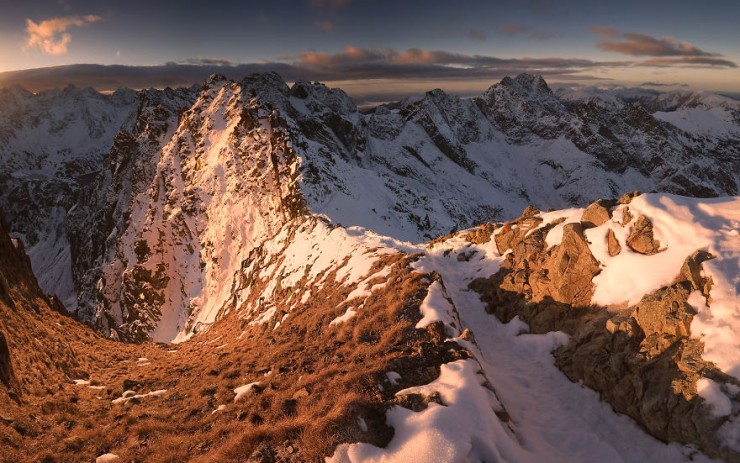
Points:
(571, 267)
(597, 213)
(626, 216)
(628, 197)
(612, 242)
(641, 238)
(482, 234)
(691, 271)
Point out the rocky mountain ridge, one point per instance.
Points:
(147, 236)
(400, 332)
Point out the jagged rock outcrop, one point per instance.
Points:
(640, 358)
(597, 213)
(641, 238)
(569, 268)
(645, 364)
(613, 246)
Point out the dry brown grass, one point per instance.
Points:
(323, 378)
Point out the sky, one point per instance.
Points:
(371, 47)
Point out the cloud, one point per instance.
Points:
(438, 60)
(664, 51)
(207, 62)
(458, 32)
(51, 36)
(352, 66)
(606, 31)
(690, 61)
(518, 29)
(328, 4)
(477, 34)
(660, 84)
(646, 45)
(324, 25)
(512, 29)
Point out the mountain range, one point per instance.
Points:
(232, 216)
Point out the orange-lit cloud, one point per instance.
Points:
(51, 36)
(689, 61)
(646, 45)
(606, 31)
(324, 25)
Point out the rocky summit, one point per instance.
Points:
(261, 272)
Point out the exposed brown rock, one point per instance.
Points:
(530, 211)
(482, 234)
(626, 216)
(597, 213)
(613, 243)
(558, 279)
(643, 362)
(641, 359)
(570, 269)
(663, 317)
(512, 233)
(691, 271)
(641, 238)
(628, 197)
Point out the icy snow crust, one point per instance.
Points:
(513, 372)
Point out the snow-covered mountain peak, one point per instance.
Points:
(322, 99)
(191, 180)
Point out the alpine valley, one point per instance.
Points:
(252, 271)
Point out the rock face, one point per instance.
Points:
(596, 214)
(641, 238)
(641, 359)
(570, 267)
(145, 204)
(557, 279)
(645, 364)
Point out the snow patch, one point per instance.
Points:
(711, 392)
(245, 390)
